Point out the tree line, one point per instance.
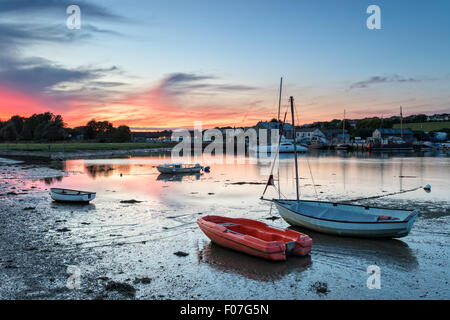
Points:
(44, 127)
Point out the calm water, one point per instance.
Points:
(164, 222)
(335, 176)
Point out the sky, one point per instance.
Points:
(156, 64)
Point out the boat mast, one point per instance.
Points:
(279, 107)
(295, 147)
(279, 102)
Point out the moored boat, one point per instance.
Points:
(347, 219)
(255, 238)
(68, 195)
(179, 168)
(343, 219)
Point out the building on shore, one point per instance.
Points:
(393, 134)
(309, 133)
(336, 136)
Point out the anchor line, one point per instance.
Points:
(384, 195)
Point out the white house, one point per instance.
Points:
(303, 133)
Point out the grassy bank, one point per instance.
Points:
(426, 126)
(80, 146)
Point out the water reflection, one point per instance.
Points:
(179, 176)
(387, 251)
(248, 266)
(51, 180)
(106, 170)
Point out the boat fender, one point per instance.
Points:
(427, 188)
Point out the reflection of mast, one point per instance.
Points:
(343, 129)
(401, 174)
(401, 122)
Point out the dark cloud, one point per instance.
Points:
(182, 83)
(39, 75)
(378, 79)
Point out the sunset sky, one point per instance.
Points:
(168, 63)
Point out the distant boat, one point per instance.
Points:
(179, 168)
(68, 195)
(340, 218)
(288, 147)
(255, 238)
(343, 146)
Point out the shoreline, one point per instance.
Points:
(79, 154)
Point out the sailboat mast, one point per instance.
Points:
(279, 102)
(279, 136)
(295, 147)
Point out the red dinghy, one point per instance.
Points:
(255, 238)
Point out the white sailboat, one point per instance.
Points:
(341, 218)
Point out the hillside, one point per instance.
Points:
(426, 126)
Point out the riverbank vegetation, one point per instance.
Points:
(80, 146)
(47, 127)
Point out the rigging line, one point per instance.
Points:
(312, 178)
(384, 195)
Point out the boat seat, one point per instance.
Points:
(240, 234)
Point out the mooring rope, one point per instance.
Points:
(312, 178)
(383, 195)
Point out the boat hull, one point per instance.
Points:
(275, 250)
(178, 170)
(72, 196)
(394, 229)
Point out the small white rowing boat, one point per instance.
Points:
(180, 168)
(67, 195)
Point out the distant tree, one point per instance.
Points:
(44, 126)
(122, 134)
(9, 132)
(99, 130)
(362, 132)
(17, 121)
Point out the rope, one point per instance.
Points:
(312, 178)
(384, 195)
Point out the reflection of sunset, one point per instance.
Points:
(335, 177)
